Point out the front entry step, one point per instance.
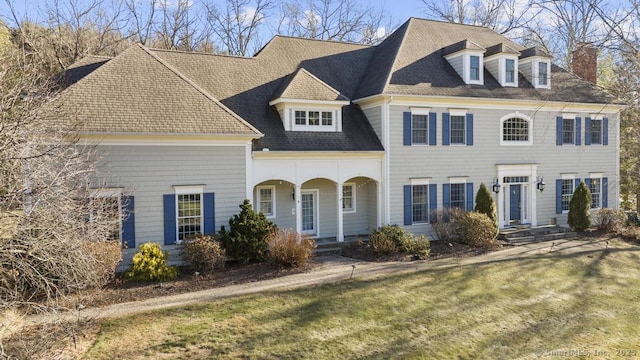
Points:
(526, 235)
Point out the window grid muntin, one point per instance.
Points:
(543, 73)
(515, 129)
(457, 196)
(457, 129)
(596, 131)
(420, 203)
(189, 215)
(515, 179)
(327, 118)
(301, 117)
(568, 132)
(596, 191)
(474, 67)
(510, 70)
(348, 197)
(567, 193)
(314, 118)
(419, 129)
(266, 201)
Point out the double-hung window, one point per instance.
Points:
(568, 131)
(419, 129)
(267, 200)
(188, 212)
(567, 193)
(510, 71)
(420, 203)
(349, 197)
(474, 67)
(595, 187)
(458, 129)
(458, 196)
(543, 73)
(596, 131)
(313, 118)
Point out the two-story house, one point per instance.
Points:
(335, 139)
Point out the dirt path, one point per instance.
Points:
(336, 268)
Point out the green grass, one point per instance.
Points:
(522, 308)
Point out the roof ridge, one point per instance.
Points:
(396, 53)
(199, 89)
(199, 53)
(322, 40)
(321, 82)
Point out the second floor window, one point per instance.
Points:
(313, 118)
(568, 131)
(596, 131)
(457, 130)
(419, 129)
(510, 71)
(474, 67)
(515, 129)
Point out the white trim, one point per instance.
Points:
(536, 74)
(503, 201)
(503, 71)
(458, 179)
(458, 112)
(516, 143)
(467, 67)
(188, 190)
(258, 202)
(420, 110)
(336, 117)
(353, 197)
(598, 116)
(571, 177)
(332, 103)
(568, 176)
(595, 175)
(420, 181)
(106, 192)
(569, 115)
(248, 158)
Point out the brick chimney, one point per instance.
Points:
(585, 62)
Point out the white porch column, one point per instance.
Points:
(298, 196)
(340, 235)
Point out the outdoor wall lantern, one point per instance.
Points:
(496, 187)
(541, 185)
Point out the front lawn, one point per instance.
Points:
(545, 305)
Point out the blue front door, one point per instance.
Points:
(515, 197)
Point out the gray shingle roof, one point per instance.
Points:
(136, 93)
(303, 85)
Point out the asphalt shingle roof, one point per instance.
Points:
(303, 85)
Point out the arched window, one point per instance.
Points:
(515, 130)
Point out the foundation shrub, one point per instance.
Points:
(476, 229)
(394, 233)
(609, 220)
(246, 239)
(421, 248)
(150, 264)
(204, 253)
(106, 255)
(382, 244)
(289, 249)
(579, 217)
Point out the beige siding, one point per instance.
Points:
(478, 162)
(360, 222)
(457, 64)
(148, 172)
(374, 115)
(493, 66)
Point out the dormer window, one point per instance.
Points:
(474, 68)
(543, 73)
(509, 71)
(313, 118)
(535, 65)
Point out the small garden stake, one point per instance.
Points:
(353, 268)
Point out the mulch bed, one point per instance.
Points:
(120, 291)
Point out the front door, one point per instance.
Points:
(309, 213)
(515, 199)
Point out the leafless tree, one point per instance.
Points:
(236, 25)
(337, 20)
(502, 16)
(141, 19)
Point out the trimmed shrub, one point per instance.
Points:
(289, 249)
(421, 248)
(476, 229)
(485, 204)
(246, 239)
(382, 244)
(444, 225)
(150, 264)
(204, 253)
(609, 220)
(400, 238)
(579, 218)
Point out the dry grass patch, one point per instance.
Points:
(505, 309)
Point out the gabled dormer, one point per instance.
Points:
(535, 65)
(306, 103)
(501, 61)
(466, 57)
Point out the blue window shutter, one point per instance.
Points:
(605, 192)
(469, 129)
(577, 184)
(433, 129)
(129, 223)
(446, 138)
(433, 202)
(605, 131)
(209, 207)
(469, 196)
(559, 130)
(587, 130)
(406, 128)
(587, 181)
(558, 196)
(446, 196)
(578, 130)
(169, 204)
(408, 206)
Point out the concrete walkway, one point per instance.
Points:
(332, 269)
